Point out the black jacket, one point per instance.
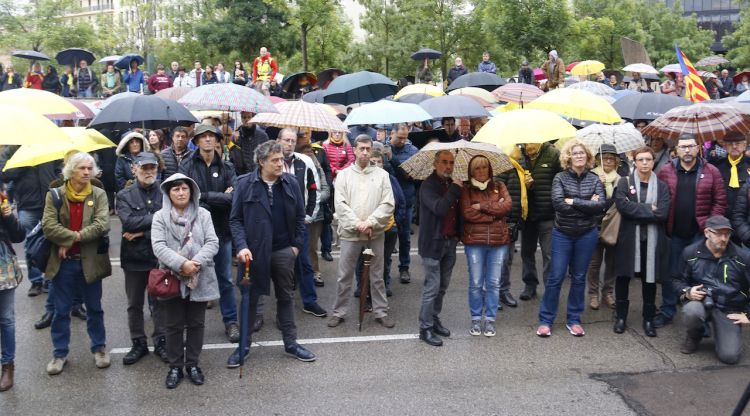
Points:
(213, 181)
(539, 194)
(582, 215)
(455, 72)
(433, 205)
(171, 164)
(307, 186)
(728, 276)
(513, 184)
(743, 174)
(248, 141)
(30, 185)
(11, 231)
(136, 206)
(740, 215)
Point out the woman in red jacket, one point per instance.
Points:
(484, 205)
(35, 77)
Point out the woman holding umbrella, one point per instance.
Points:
(133, 78)
(35, 77)
(578, 198)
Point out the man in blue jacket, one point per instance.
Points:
(401, 150)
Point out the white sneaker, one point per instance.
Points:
(101, 358)
(55, 366)
(476, 327)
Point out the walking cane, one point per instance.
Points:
(244, 314)
(367, 256)
(743, 402)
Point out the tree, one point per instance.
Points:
(666, 27)
(328, 46)
(736, 43)
(306, 16)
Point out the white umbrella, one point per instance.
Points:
(111, 58)
(676, 68)
(625, 137)
(386, 112)
(596, 88)
(642, 68)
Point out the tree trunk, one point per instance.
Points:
(304, 46)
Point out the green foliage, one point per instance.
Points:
(665, 27)
(737, 42)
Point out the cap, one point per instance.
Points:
(525, 62)
(734, 136)
(206, 128)
(607, 148)
(718, 222)
(146, 158)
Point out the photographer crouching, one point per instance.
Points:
(713, 285)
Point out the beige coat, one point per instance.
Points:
(363, 195)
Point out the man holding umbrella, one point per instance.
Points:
(86, 80)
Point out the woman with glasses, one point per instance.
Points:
(642, 245)
(578, 199)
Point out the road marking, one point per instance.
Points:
(338, 340)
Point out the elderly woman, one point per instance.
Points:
(642, 244)
(607, 172)
(578, 199)
(184, 241)
(76, 222)
(484, 205)
(10, 232)
(130, 146)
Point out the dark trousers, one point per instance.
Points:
(648, 290)
(536, 232)
(181, 316)
(135, 290)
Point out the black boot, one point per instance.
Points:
(621, 315)
(160, 349)
(429, 337)
(649, 311)
(139, 350)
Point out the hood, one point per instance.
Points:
(124, 142)
(195, 192)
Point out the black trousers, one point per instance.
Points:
(135, 290)
(648, 290)
(184, 322)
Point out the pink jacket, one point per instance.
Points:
(340, 156)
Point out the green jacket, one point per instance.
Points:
(94, 256)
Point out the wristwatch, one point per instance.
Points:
(685, 292)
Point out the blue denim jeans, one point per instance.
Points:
(304, 273)
(28, 219)
(404, 240)
(668, 295)
(223, 266)
(87, 93)
(69, 281)
(574, 253)
(326, 239)
(485, 268)
(7, 326)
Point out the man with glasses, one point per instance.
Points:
(734, 166)
(697, 193)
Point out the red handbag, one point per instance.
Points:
(163, 284)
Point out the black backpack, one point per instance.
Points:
(37, 245)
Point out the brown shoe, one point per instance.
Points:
(386, 321)
(610, 300)
(690, 345)
(335, 321)
(6, 379)
(594, 302)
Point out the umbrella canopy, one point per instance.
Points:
(641, 68)
(571, 65)
(33, 55)
(117, 97)
(78, 138)
(577, 104)
(624, 93)
(584, 68)
(596, 88)
(300, 114)
(484, 80)
(227, 97)
(145, 111)
(359, 87)
(483, 97)
(420, 166)
(414, 98)
(274, 99)
(124, 62)
(73, 56)
(625, 137)
(83, 113)
(737, 78)
(386, 112)
(314, 96)
(294, 82)
(706, 74)
(21, 126)
(706, 121)
(458, 106)
(327, 75)
(744, 97)
(712, 60)
(675, 68)
(173, 93)
(38, 101)
(539, 74)
(110, 58)
(517, 93)
(647, 106)
(419, 89)
(426, 53)
(506, 130)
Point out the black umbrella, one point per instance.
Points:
(484, 80)
(421, 138)
(314, 96)
(125, 60)
(647, 106)
(458, 106)
(327, 75)
(33, 55)
(145, 111)
(294, 82)
(426, 53)
(359, 87)
(73, 56)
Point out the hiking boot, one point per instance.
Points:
(139, 350)
(404, 277)
(233, 332)
(690, 345)
(160, 349)
(609, 300)
(476, 327)
(529, 292)
(56, 366)
(594, 302)
(35, 290)
(101, 358)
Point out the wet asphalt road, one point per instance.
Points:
(514, 373)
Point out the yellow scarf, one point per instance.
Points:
(10, 78)
(521, 178)
(734, 177)
(74, 196)
(334, 141)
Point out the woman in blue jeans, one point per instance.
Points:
(10, 232)
(578, 199)
(484, 205)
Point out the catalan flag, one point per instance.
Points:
(695, 91)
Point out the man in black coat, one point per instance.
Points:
(734, 167)
(174, 154)
(247, 137)
(457, 70)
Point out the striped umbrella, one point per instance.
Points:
(676, 68)
(227, 97)
(482, 96)
(173, 93)
(596, 88)
(420, 166)
(712, 60)
(706, 121)
(517, 93)
(299, 114)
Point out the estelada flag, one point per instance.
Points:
(695, 91)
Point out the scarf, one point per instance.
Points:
(610, 181)
(74, 196)
(180, 225)
(480, 185)
(336, 142)
(652, 233)
(521, 178)
(111, 82)
(10, 78)
(734, 177)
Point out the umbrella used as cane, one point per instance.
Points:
(420, 165)
(426, 53)
(32, 55)
(367, 256)
(73, 56)
(144, 111)
(245, 285)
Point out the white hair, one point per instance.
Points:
(75, 160)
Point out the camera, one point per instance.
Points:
(708, 300)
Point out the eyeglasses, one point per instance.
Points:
(687, 146)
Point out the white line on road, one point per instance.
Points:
(338, 340)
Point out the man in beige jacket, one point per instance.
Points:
(364, 205)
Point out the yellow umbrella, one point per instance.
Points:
(587, 68)
(21, 126)
(77, 138)
(506, 130)
(577, 104)
(419, 89)
(38, 101)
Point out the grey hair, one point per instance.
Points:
(75, 160)
(289, 131)
(362, 138)
(265, 149)
(440, 152)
